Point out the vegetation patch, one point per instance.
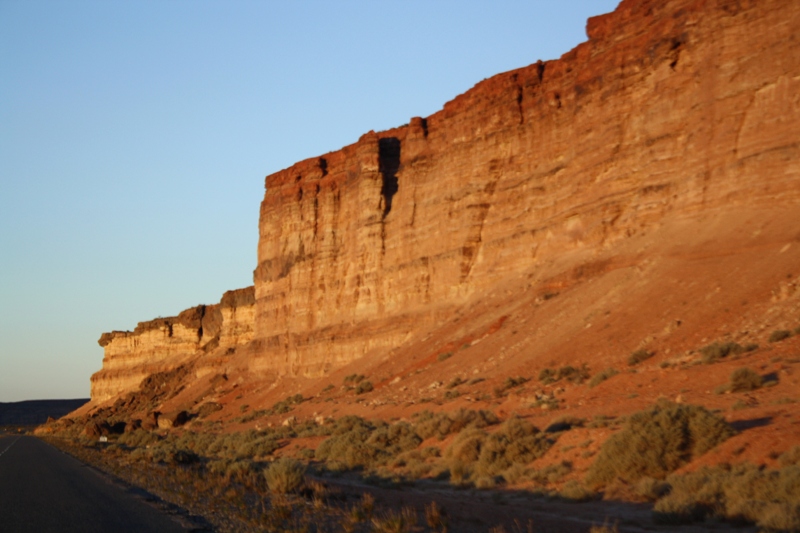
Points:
(779, 335)
(568, 373)
(746, 493)
(656, 442)
(597, 379)
(720, 350)
(285, 476)
(508, 384)
(428, 424)
(483, 454)
(638, 356)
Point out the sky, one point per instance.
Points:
(135, 138)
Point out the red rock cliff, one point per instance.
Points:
(670, 108)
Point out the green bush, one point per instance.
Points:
(745, 379)
(638, 356)
(285, 475)
(657, 441)
(353, 379)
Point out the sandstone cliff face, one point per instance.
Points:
(669, 109)
(163, 344)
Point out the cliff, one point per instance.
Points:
(686, 110)
(164, 344)
(669, 109)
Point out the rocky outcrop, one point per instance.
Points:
(669, 109)
(165, 343)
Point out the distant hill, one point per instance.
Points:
(34, 412)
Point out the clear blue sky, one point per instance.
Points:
(135, 138)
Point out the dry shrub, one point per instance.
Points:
(516, 441)
(285, 476)
(719, 350)
(638, 356)
(364, 387)
(358, 443)
(657, 441)
(576, 491)
(428, 424)
(569, 373)
(745, 493)
(509, 384)
(744, 379)
(597, 379)
(779, 335)
(790, 457)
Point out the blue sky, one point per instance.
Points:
(135, 138)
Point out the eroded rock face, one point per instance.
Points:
(669, 109)
(165, 343)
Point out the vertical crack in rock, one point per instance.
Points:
(518, 92)
(389, 163)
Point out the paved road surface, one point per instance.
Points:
(45, 490)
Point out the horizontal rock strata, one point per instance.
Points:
(670, 109)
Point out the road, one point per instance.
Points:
(45, 490)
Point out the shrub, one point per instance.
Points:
(451, 395)
(364, 387)
(353, 378)
(429, 424)
(517, 441)
(285, 475)
(638, 356)
(358, 443)
(576, 491)
(597, 379)
(745, 379)
(657, 441)
(568, 372)
(444, 356)
(745, 493)
(779, 335)
(508, 384)
(716, 351)
(790, 457)
(455, 382)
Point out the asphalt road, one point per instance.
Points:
(45, 490)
